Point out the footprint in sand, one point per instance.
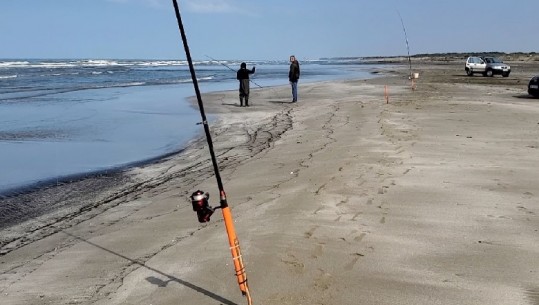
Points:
(343, 201)
(294, 266)
(533, 295)
(525, 210)
(360, 237)
(324, 281)
(310, 233)
(318, 251)
(356, 257)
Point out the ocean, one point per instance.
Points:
(65, 118)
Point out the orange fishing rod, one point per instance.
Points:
(199, 199)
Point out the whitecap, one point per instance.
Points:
(8, 64)
(52, 65)
(159, 63)
(98, 63)
(131, 84)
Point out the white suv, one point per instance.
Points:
(488, 66)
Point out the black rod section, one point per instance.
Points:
(200, 106)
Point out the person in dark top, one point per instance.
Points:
(293, 76)
(243, 77)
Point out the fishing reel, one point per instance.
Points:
(199, 199)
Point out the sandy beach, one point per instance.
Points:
(430, 197)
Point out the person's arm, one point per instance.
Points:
(290, 73)
(252, 70)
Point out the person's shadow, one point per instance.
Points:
(156, 281)
(231, 104)
(282, 102)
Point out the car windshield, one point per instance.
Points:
(493, 60)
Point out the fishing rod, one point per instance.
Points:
(199, 199)
(407, 45)
(219, 62)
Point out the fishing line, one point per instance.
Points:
(252, 81)
(223, 64)
(219, 62)
(227, 215)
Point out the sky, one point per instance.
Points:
(263, 29)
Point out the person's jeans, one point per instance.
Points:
(294, 91)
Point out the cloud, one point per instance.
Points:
(211, 6)
(150, 3)
(196, 6)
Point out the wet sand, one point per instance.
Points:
(341, 198)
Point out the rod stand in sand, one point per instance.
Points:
(199, 199)
(413, 78)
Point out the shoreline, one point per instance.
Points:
(44, 184)
(426, 198)
(104, 189)
(45, 201)
(22, 181)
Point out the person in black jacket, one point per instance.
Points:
(293, 76)
(243, 77)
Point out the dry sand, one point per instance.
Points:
(341, 198)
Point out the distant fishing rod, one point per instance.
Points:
(219, 62)
(407, 45)
(199, 199)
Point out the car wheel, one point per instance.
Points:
(489, 73)
(469, 72)
(505, 74)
